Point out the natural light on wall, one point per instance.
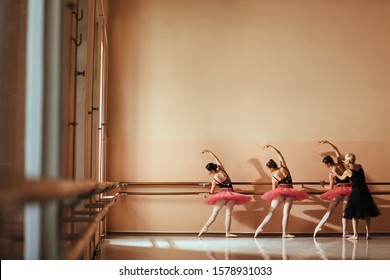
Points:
(186, 75)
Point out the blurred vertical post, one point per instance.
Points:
(42, 234)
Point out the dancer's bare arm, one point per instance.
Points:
(217, 161)
(335, 149)
(280, 156)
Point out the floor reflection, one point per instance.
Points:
(217, 247)
(349, 249)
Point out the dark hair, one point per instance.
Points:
(211, 166)
(328, 160)
(271, 164)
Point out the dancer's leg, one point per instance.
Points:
(344, 220)
(217, 207)
(368, 227)
(344, 227)
(228, 218)
(286, 212)
(354, 227)
(274, 204)
(332, 205)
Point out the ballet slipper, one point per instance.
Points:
(258, 231)
(287, 235)
(317, 230)
(368, 236)
(230, 235)
(204, 230)
(346, 235)
(353, 237)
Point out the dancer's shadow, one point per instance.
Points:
(263, 178)
(256, 205)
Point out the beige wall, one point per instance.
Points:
(186, 75)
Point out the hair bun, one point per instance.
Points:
(272, 164)
(211, 166)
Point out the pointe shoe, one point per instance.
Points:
(258, 231)
(317, 230)
(368, 236)
(287, 235)
(346, 235)
(230, 235)
(204, 230)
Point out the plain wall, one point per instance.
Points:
(231, 76)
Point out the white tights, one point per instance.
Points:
(332, 206)
(228, 216)
(288, 202)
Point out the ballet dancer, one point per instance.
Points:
(282, 191)
(225, 197)
(360, 203)
(339, 189)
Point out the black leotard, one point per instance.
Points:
(227, 183)
(286, 180)
(339, 181)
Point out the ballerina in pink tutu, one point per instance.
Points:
(226, 197)
(282, 191)
(339, 189)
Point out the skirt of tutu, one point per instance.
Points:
(227, 194)
(340, 189)
(285, 191)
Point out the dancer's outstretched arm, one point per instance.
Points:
(217, 161)
(280, 156)
(347, 173)
(220, 166)
(336, 150)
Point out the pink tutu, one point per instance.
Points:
(285, 190)
(340, 189)
(227, 194)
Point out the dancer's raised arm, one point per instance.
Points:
(280, 156)
(218, 162)
(336, 150)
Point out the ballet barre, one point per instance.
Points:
(306, 186)
(200, 184)
(23, 191)
(73, 215)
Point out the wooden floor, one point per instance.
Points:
(245, 247)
